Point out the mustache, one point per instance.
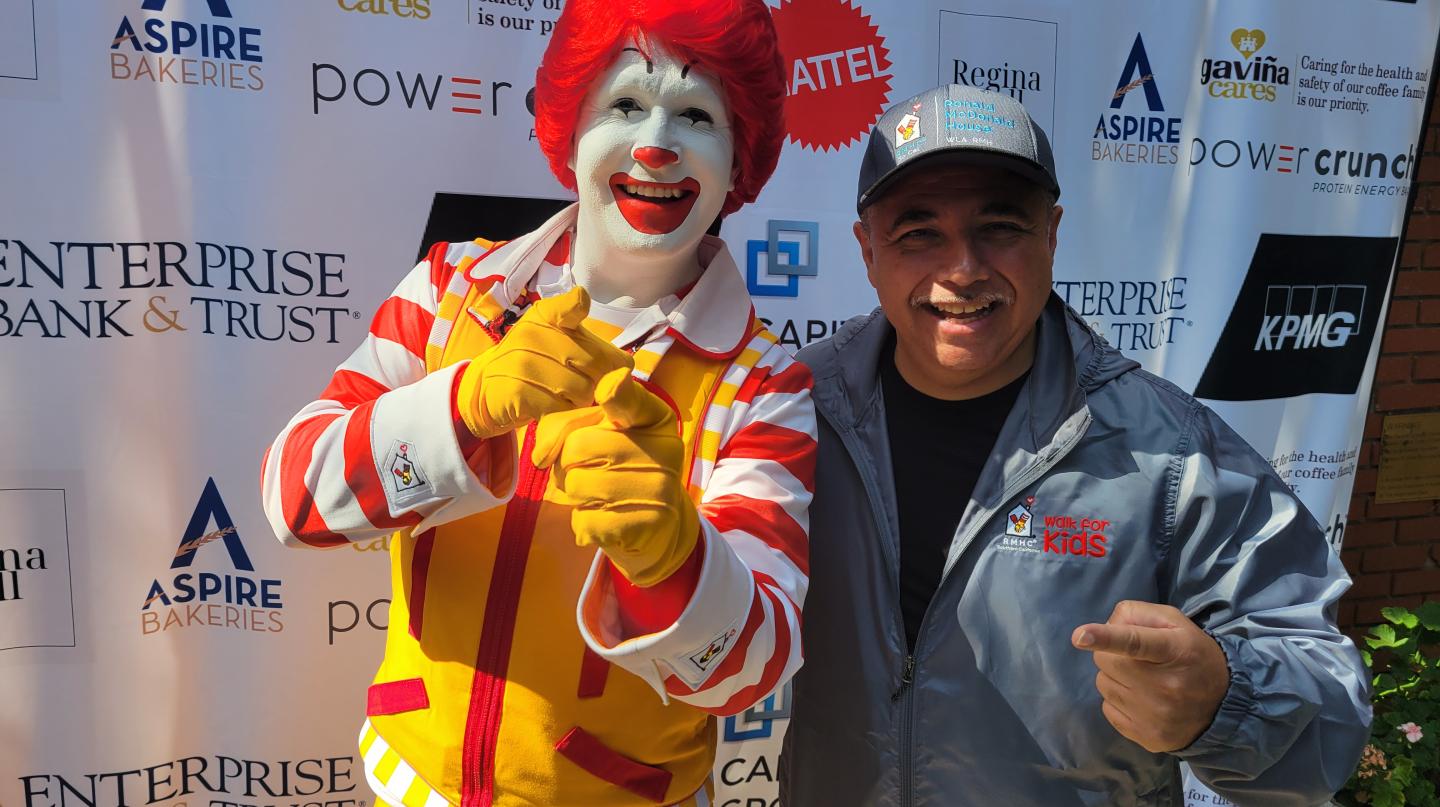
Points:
(981, 298)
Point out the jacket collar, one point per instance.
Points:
(1069, 362)
(713, 319)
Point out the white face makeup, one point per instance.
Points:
(653, 155)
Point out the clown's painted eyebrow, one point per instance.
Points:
(649, 65)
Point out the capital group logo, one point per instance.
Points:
(1304, 320)
(1251, 77)
(160, 49)
(1151, 139)
(837, 69)
(213, 779)
(1011, 55)
(790, 258)
(233, 597)
(36, 591)
(123, 289)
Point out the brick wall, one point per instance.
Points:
(1393, 550)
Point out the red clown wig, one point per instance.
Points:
(733, 41)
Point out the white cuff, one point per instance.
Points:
(418, 456)
(695, 645)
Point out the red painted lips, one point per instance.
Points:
(654, 208)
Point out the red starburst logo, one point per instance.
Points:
(838, 72)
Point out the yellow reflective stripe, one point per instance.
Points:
(386, 767)
(367, 739)
(417, 795)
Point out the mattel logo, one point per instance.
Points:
(465, 95)
(788, 258)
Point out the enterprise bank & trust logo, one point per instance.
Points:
(236, 599)
(164, 50)
(1152, 139)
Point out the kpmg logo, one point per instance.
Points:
(1308, 317)
(217, 599)
(788, 258)
(1304, 320)
(1120, 135)
(163, 50)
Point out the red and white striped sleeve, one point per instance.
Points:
(737, 639)
(383, 446)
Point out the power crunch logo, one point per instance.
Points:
(212, 599)
(1129, 138)
(159, 49)
(1304, 321)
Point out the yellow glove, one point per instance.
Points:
(547, 362)
(619, 465)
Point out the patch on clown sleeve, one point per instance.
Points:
(703, 659)
(404, 480)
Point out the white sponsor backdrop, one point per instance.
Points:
(201, 204)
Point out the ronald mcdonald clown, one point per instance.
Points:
(591, 453)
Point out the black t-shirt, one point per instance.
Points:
(937, 449)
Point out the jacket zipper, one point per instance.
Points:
(907, 678)
(492, 657)
(907, 718)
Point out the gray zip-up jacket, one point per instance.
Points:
(1107, 483)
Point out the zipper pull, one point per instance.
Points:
(907, 676)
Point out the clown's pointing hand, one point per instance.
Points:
(618, 464)
(548, 362)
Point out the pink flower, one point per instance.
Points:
(1412, 732)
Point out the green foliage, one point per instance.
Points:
(1397, 770)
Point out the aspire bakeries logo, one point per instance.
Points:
(231, 597)
(156, 48)
(837, 72)
(1124, 136)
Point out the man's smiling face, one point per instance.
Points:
(960, 257)
(653, 156)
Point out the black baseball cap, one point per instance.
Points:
(955, 122)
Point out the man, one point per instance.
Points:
(1040, 575)
(603, 382)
